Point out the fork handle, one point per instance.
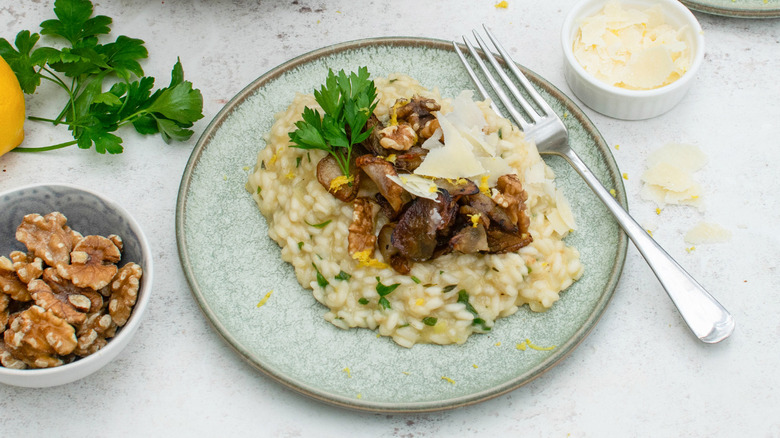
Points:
(705, 316)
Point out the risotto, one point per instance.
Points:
(442, 300)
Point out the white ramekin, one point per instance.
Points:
(618, 102)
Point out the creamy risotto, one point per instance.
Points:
(442, 300)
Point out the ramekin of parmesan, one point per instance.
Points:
(631, 59)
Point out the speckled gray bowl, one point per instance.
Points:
(89, 213)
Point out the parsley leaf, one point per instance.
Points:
(383, 291)
(91, 113)
(463, 297)
(347, 102)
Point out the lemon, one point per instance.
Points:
(11, 109)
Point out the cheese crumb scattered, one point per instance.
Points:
(625, 176)
(705, 232)
(348, 372)
(447, 379)
(420, 302)
(669, 175)
(502, 5)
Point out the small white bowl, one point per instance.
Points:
(89, 213)
(618, 102)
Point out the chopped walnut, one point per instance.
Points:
(27, 266)
(82, 298)
(37, 336)
(124, 292)
(361, 231)
(4, 313)
(47, 237)
(58, 304)
(10, 284)
(92, 263)
(116, 240)
(8, 360)
(52, 305)
(398, 137)
(93, 334)
(429, 128)
(418, 112)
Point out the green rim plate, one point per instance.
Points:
(736, 8)
(231, 264)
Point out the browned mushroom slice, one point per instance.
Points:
(328, 170)
(92, 263)
(361, 231)
(498, 216)
(378, 170)
(501, 242)
(416, 234)
(470, 239)
(411, 159)
(389, 252)
(371, 144)
(457, 187)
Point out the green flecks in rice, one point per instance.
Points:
(299, 209)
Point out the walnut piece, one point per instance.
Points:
(398, 137)
(93, 334)
(92, 263)
(124, 292)
(37, 336)
(47, 237)
(8, 360)
(4, 313)
(361, 236)
(10, 284)
(27, 266)
(65, 297)
(58, 304)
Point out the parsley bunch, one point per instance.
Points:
(85, 66)
(347, 102)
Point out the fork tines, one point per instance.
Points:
(534, 116)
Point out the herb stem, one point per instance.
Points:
(46, 148)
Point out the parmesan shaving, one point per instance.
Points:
(631, 48)
(669, 176)
(705, 232)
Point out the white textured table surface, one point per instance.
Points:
(639, 373)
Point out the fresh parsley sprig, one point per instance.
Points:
(347, 102)
(86, 67)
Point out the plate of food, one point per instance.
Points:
(361, 228)
(736, 8)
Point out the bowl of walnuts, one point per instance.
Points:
(75, 281)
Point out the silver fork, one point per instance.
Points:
(703, 314)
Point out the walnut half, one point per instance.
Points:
(37, 336)
(92, 263)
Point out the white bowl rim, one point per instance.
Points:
(138, 310)
(567, 38)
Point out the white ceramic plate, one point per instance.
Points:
(231, 264)
(736, 8)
